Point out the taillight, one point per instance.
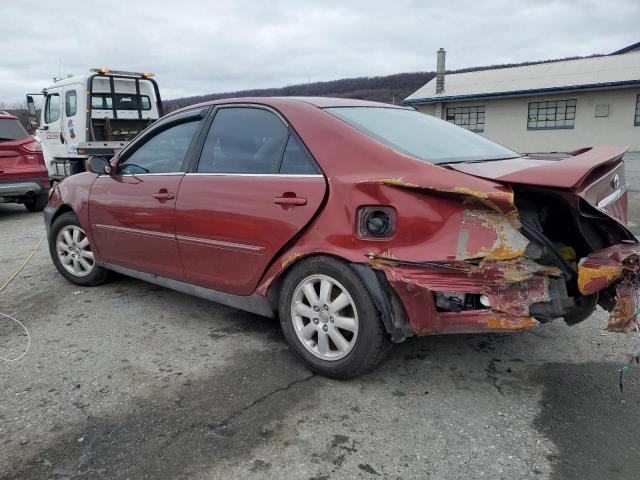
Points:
(376, 222)
(31, 147)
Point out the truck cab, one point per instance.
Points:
(94, 114)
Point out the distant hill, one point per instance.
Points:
(388, 89)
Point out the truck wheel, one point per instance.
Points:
(72, 254)
(37, 203)
(330, 320)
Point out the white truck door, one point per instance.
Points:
(74, 119)
(50, 131)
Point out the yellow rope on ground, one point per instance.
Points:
(12, 277)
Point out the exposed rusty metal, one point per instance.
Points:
(510, 323)
(602, 268)
(490, 235)
(624, 316)
(289, 259)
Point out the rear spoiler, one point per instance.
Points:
(569, 172)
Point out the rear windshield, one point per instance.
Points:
(11, 129)
(124, 101)
(422, 136)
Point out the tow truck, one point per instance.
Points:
(93, 114)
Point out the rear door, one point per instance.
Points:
(132, 211)
(254, 188)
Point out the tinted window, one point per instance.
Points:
(296, 160)
(11, 129)
(70, 103)
(163, 153)
(243, 140)
(422, 136)
(52, 108)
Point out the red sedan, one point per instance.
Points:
(358, 224)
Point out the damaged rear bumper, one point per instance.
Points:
(614, 272)
(515, 291)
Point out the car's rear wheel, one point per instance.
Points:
(330, 320)
(71, 252)
(37, 203)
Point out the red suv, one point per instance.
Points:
(23, 174)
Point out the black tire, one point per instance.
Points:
(97, 275)
(372, 342)
(37, 203)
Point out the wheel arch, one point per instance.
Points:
(387, 302)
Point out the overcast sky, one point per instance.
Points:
(197, 47)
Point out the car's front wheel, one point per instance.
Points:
(330, 320)
(72, 254)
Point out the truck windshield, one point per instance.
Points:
(11, 129)
(422, 136)
(124, 101)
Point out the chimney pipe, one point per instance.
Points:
(440, 72)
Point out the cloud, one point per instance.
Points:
(199, 47)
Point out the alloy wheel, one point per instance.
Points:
(324, 317)
(74, 251)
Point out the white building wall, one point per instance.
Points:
(506, 121)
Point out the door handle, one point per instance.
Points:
(294, 201)
(163, 195)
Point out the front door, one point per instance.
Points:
(132, 211)
(50, 131)
(254, 189)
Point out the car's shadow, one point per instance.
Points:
(14, 212)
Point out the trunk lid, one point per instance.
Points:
(595, 174)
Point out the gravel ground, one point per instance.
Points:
(129, 380)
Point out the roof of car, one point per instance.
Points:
(7, 116)
(320, 102)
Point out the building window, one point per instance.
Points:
(471, 118)
(637, 120)
(551, 114)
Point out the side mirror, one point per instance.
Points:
(33, 116)
(99, 165)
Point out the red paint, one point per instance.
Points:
(568, 172)
(230, 227)
(20, 159)
(133, 228)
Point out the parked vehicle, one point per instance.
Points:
(23, 175)
(94, 114)
(357, 223)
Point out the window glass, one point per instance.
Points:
(296, 160)
(471, 118)
(637, 119)
(123, 101)
(163, 153)
(70, 103)
(243, 140)
(11, 129)
(551, 114)
(422, 136)
(97, 101)
(52, 109)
